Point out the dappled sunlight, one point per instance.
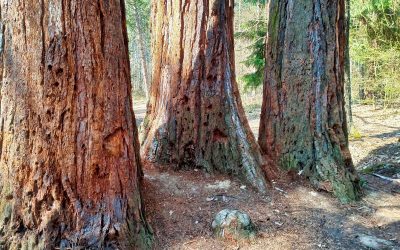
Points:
(184, 203)
(202, 124)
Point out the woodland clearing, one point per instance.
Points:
(181, 205)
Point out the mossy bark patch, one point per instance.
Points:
(303, 122)
(233, 225)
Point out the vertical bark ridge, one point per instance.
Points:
(303, 123)
(69, 164)
(195, 117)
(2, 41)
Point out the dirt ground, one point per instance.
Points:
(180, 206)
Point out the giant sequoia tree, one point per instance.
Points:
(195, 116)
(303, 121)
(69, 167)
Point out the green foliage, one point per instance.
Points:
(140, 8)
(375, 50)
(254, 31)
(380, 19)
(138, 25)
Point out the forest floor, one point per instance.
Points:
(180, 205)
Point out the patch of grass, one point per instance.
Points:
(368, 101)
(252, 107)
(372, 169)
(363, 183)
(382, 168)
(355, 134)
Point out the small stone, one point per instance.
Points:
(233, 224)
(280, 190)
(373, 242)
(220, 185)
(243, 187)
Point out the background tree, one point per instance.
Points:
(375, 51)
(347, 67)
(303, 121)
(195, 117)
(138, 22)
(254, 31)
(69, 166)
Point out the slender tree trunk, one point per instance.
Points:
(349, 102)
(239, 16)
(195, 117)
(361, 86)
(69, 166)
(142, 49)
(303, 122)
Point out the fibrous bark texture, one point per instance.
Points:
(69, 166)
(303, 121)
(195, 117)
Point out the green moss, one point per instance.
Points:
(233, 225)
(346, 190)
(273, 28)
(346, 186)
(333, 176)
(146, 238)
(5, 212)
(142, 240)
(289, 162)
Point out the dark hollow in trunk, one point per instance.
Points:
(195, 117)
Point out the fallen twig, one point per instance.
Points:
(387, 178)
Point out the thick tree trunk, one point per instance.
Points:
(195, 116)
(303, 122)
(69, 167)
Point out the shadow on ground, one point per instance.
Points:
(181, 206)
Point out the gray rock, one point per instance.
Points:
(233, 224)
(373, 242)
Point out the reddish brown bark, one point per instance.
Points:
(303, 122)
(195, 116)
(69, 166)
